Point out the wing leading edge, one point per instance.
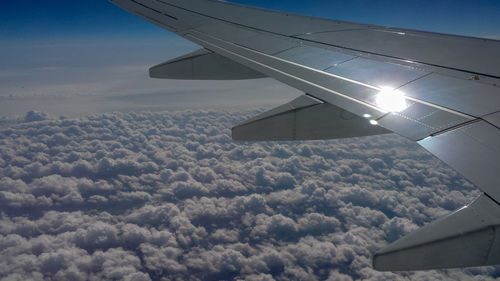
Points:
(438, 90)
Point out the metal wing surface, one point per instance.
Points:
(441, 91)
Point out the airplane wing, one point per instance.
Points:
(441, 91)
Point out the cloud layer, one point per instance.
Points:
(169, 196)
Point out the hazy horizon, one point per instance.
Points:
(96, 52)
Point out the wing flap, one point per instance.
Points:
(203, 65)
(473, 151)
(305, 118)
(468, 237)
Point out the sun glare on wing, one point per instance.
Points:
(391, 100)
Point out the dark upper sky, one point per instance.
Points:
(52, 19)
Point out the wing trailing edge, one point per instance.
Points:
(203, 65)
(305, 118)
(467, 237)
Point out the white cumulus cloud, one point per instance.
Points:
(169, 196)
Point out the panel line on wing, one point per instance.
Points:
(219, 19)
(493, 119)
(341, 78)
(332, 31)
(287, 74)
(414, 80)
(285, 50)
(154, 10)
(329, 44)
(308, 68)
(155, 20)
(494, 200)
(397, 58)
(440, 107)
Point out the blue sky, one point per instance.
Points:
(57, 19)
(62, 49)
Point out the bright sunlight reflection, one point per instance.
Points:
(391, 100)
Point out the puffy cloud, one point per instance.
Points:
(169, 196)
(162, 260)
(314, 223)
(33, 116)
(278, 226)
